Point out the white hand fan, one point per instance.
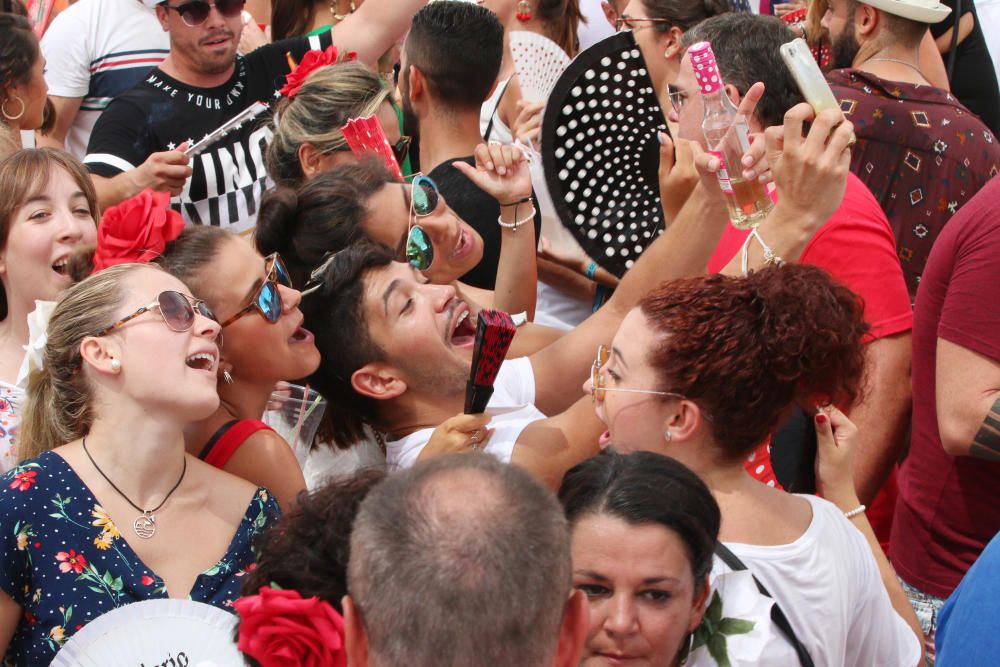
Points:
(180, 632)
(539, 63)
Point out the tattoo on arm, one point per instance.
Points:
(986, 444)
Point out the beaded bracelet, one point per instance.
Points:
(517, 223)
(860, 509)
(769, 256)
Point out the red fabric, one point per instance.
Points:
(758, 464)
(949, 507)
(881, 509)
(232, 440)
(855, 246)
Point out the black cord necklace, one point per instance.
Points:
(145, 524)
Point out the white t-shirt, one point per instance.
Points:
(98, 49)
(514, 390)
(828, 585)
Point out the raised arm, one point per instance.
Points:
(502, 172)
(375, 27)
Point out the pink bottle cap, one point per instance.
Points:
(706, 72)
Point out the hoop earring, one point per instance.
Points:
(668, 435)
(523, 11)
(3, 108)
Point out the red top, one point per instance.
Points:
(856, 247)
(949, 507)
(228, 439)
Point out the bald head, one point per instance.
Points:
(461, 560)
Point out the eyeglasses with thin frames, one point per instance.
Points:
(625, 21)
(679, 97)
(597, 387)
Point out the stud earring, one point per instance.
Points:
(227, 376)
(523, 11)
(116, 365)
(668, 435)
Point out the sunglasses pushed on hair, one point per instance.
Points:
(195, 12)
(267, 299)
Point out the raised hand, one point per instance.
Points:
(166, 171)
(677, 174)
(835, 438)
(501, 172)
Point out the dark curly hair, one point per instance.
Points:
(307, 550)
(745, 348)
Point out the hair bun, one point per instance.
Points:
(277, 220)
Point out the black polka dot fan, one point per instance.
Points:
(601, 154)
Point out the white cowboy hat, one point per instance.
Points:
(921, 11)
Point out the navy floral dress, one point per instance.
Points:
(65, 563)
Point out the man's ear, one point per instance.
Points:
(671, 42)
(355, 636)
(100, 353)
(573, 630)
(867, 22)
(379, 381)
(417, 84)
(734, 95)
(161, 15)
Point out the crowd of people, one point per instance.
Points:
(766, 445)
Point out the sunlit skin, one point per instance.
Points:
(653, 45)
(632, 419)
(237, 272)
(43, 233)
(172, 383)
(641, 591)
(203, 54)
(458, 248)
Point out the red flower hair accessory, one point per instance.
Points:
(136, 230)
(310, 62)
(280, 627)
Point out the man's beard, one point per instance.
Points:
(845, 48)
(411, 128)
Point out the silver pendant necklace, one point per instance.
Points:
(144, 524)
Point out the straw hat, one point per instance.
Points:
(921, 11)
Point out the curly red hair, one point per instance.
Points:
(745, 348)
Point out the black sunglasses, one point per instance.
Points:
(401, 149)
(267, 299)
(196, 11)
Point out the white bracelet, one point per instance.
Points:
(769, 256)
(517, 223)
(860, 509)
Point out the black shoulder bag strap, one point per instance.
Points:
(954, 38)
(778, 616)
(496, 108)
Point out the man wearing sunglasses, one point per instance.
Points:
(140, 140)
(450, 63)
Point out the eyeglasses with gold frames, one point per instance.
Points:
(176, 309)
(597, 387)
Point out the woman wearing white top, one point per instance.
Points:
(703, 370)
(47, 209)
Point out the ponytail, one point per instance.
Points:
(745, 348)
(60, 402)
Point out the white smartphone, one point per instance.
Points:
(808, 75)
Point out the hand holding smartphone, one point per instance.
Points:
(808, 75)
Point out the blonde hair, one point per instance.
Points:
(60, 401)
(326, 101)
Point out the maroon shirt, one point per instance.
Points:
(920, 152)
(949, 506)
